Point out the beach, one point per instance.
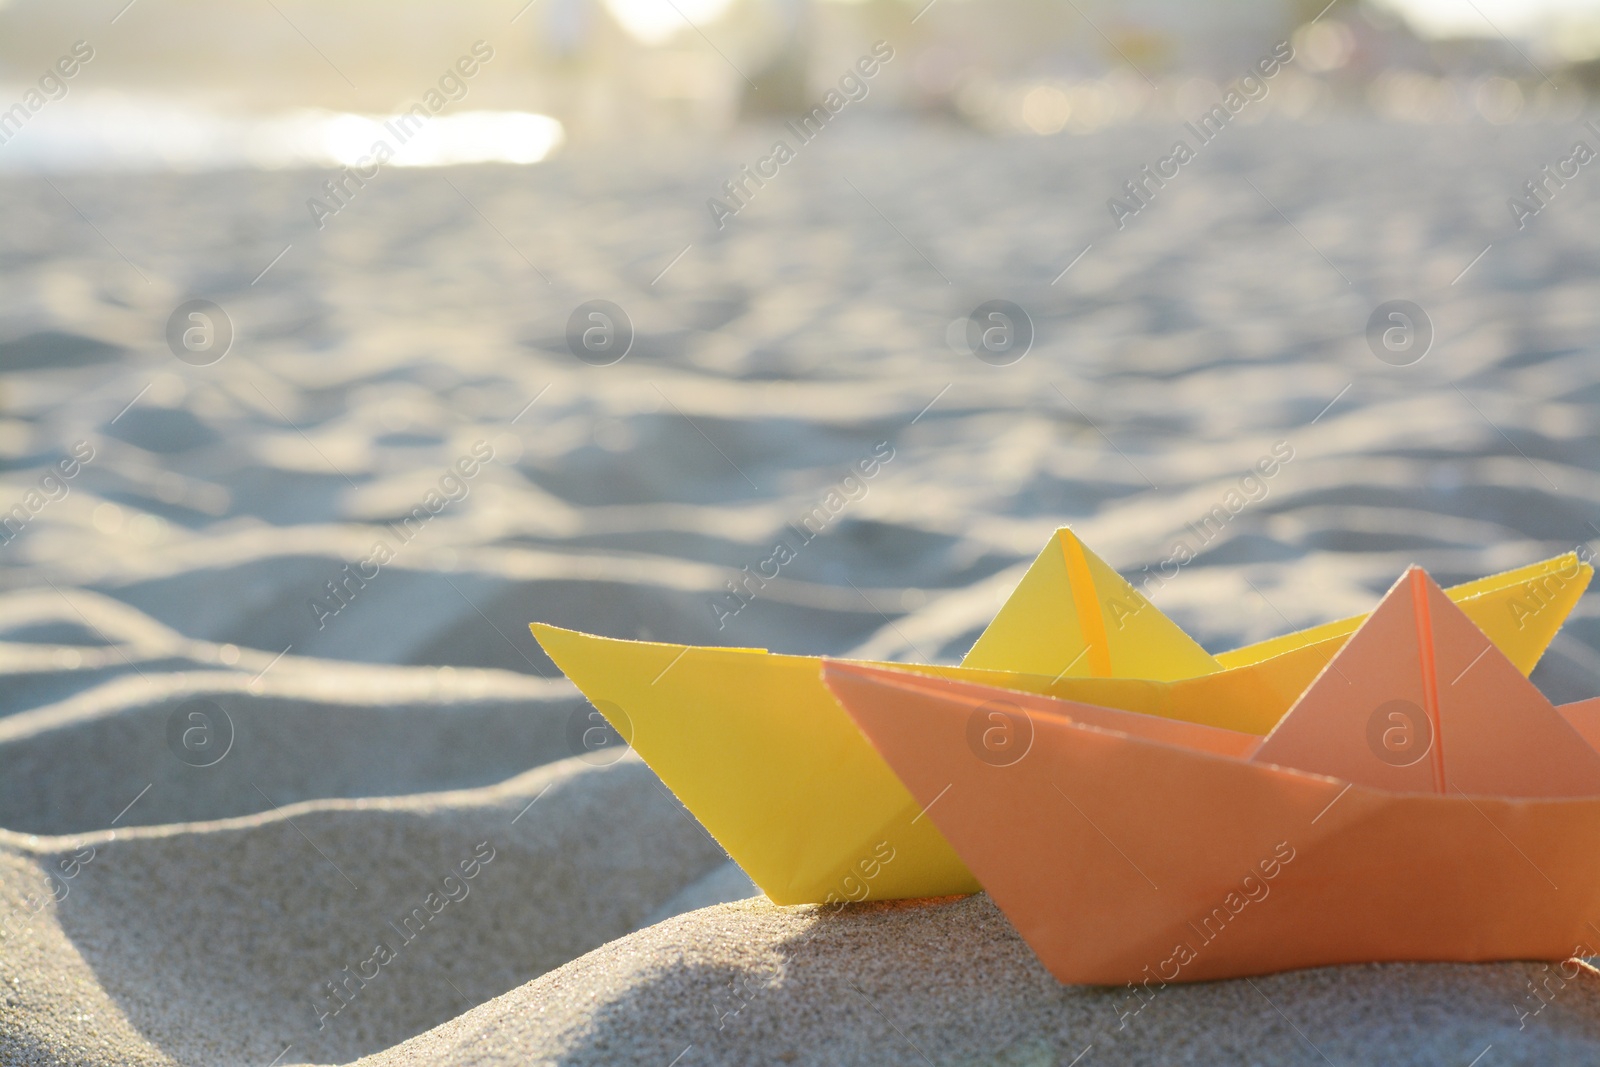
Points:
(269, 687)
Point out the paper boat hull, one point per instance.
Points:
(1122, 860)
(756, 747)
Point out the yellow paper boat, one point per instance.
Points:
(756, 747)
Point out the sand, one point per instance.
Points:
(375, 748)
(209, 942)
(951, 983)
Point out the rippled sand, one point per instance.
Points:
(373, 747)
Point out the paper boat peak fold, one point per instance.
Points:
(1073, 613)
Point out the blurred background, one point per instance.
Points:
(191, 84)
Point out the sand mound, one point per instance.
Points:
(950, 983)
(214, 943)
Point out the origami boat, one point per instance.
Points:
(1421, 801)
(756, 747)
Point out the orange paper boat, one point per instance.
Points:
(1421, 801)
